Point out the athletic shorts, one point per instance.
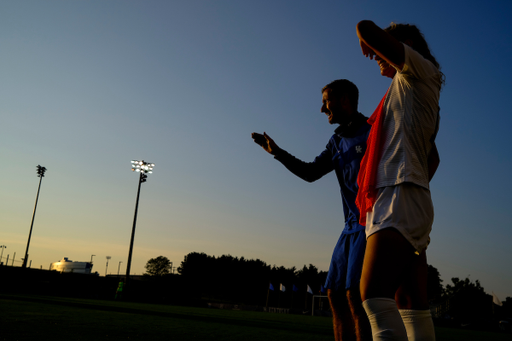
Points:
(347, 261)
(406, 207)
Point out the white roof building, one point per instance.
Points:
(66, 265)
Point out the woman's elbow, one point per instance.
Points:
(364, 26)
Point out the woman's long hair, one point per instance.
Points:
(403, 32)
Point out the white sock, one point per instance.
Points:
(385, 319)
(418, 324)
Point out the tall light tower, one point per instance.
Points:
(40, 174)
(2, 254)
(143, 168)
(106, 268)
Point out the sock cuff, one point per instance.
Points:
(414, 313)
(379, 305)
(410, 315)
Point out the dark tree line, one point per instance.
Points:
(242, 281)
(469, 305)
(435, 290)
(464, 303)
(247, 281)
(468, 301)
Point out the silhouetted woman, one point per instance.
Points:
(394, 186)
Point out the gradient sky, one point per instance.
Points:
(87, 86)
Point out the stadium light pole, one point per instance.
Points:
(106, 268)
(143, 168)
(40, 174)
(2, 254)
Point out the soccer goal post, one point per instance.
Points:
(313, 303)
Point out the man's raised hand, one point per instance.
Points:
(265, 142)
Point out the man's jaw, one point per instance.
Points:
(330, 117)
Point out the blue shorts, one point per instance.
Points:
(347, 261)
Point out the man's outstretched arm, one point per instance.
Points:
(307, 171)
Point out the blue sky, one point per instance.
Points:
(88, 86)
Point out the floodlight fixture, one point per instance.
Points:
(40, 171)
(142, 166)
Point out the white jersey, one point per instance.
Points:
(411, 118)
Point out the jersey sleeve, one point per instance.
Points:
(417, 66)
(308, 171)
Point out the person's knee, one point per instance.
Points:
(412, 293)
(354, 296)
(385, 320)
(337, 296)
(355, 303)
(338, 302)
(411, 300)
(332, 296)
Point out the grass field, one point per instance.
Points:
(50, 318)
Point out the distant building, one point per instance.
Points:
(66, 265)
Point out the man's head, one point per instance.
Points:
(339, 100)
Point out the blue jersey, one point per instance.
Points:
(343, 154)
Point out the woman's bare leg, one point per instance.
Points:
(412, 301)
(388, 257)
(412, 293)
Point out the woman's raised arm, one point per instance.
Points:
(375, 41)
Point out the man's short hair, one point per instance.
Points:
(344, 87)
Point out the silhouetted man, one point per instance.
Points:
(342, 154)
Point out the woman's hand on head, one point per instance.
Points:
(375, 41)
(368, 52)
